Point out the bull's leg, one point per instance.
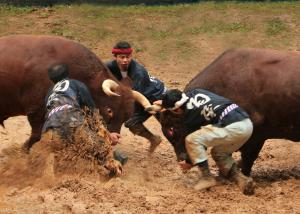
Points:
(36, 123)
(250, 151)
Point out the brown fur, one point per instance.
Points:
(24, 61)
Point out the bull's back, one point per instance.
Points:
(24, 61)
(264, 82)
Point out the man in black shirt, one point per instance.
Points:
(212, 121)
(123, 66)
(65, 116)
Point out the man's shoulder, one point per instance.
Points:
(111, 63)
(113, 66)
(137, 67)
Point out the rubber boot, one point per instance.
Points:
(122, 158)
(141, 130)
(207, 180)
(245, 183)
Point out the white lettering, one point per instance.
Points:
(208, 112)
(61, 86)
(153, 79)
(197, 101)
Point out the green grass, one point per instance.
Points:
(276, 26)
(164, 33)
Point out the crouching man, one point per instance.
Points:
(71, 119)
(212, 121)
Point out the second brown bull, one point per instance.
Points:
(263, 82)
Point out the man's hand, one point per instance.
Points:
(158, 102)
(115, 168)
(156, 107)
(185, 166)
(115, 138)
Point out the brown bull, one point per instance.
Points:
(24, 61)
(263, 82)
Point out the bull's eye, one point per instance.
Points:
(110, 112)
(171, 132)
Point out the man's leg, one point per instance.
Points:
(136, 126)
(196, 149)
(237, 134)
(224, 142)
(207, 180)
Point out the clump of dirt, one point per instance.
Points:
(85, 152)
(20, 169)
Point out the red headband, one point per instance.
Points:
(121, 51)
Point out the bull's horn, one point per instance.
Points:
(108, 85)
(152, 109)
(141, 99)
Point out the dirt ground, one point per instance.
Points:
(149, 185)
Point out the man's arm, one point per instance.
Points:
(140, 77)
(114, 69)
(85, 96)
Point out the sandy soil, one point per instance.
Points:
(154, 185)
(149, 186)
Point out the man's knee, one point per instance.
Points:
(223, 160)
(137, 128)
(217, 154)
(195, 149)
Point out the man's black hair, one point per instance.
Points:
(58, 72)
(171, 97)
(122, 45)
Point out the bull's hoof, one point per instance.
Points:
(248, 187)
(239, 164)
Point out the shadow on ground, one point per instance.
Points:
(272, 175)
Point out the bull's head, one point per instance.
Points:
(125, 98)
(175, 131)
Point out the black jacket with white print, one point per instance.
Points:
(204, 107)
